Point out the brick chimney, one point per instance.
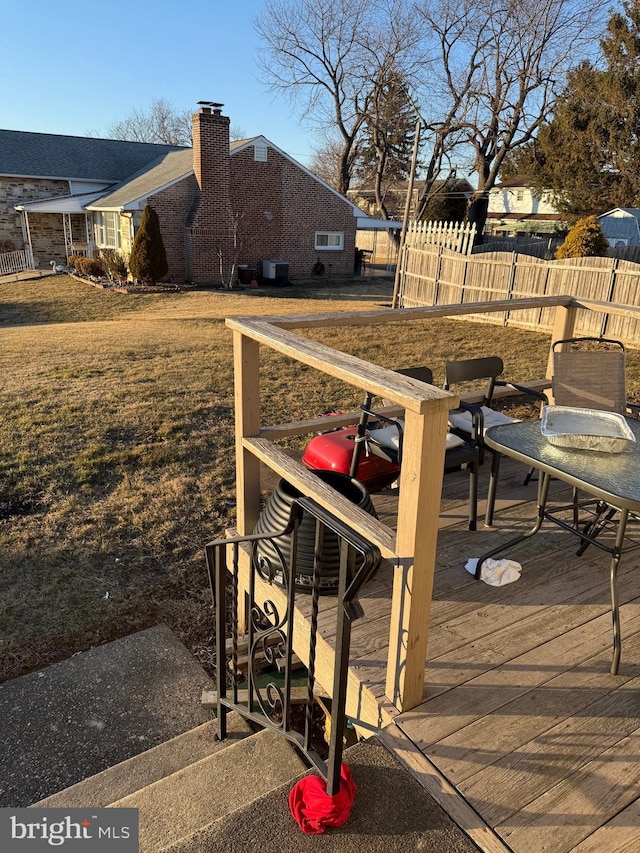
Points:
(211, 222)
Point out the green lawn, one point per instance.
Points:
(116, 446)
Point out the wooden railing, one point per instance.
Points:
(411, 547)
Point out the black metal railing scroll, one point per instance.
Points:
(270, 629)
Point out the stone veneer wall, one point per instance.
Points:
(47, 232)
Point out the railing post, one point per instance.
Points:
(416, 540)
(564, 320)
(247, 404)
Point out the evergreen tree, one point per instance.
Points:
(584, 240)
(148, 261)
(589, 154)
(386, 149)
(447, 204)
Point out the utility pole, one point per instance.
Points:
(407, 207)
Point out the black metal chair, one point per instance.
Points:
(386, 442)
(487, 368)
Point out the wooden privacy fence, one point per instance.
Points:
(434, 275)
(11, 262)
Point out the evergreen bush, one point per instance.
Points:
(148, 261)
(584, 240)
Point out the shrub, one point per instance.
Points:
(114, 264)
(86, 266)
(7, 246)
(148, 261)
(584, 240)
(74, 262)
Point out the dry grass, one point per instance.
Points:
(116, 447)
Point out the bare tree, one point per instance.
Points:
(160, 123)
(328, 54)
(497, 66)
(325, 162)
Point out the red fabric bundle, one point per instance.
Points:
(314, 810)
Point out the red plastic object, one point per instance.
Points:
(333, 451)
(314, 810)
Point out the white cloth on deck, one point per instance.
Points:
(496, 572)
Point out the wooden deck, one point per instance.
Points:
(523, 736)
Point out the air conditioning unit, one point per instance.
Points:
(274, 270)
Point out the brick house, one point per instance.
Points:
(219, 203)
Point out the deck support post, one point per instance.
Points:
(564, 321)
(246, 357)
(416, 540)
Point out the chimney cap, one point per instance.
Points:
(211, 104)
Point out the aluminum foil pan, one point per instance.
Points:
(586, 429)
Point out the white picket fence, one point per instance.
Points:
(11, 262)
(451, 235)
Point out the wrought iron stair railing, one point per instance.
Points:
(270, 629)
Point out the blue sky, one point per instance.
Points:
(76, 67)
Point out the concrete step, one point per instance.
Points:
(392, 813)
(210, 789)
(148, 767)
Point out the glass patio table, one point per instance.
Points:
(613, 479)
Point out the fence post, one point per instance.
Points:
(510, 284)
(612, 284)
(436, 280)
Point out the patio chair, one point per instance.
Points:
(590, 373)
(471, 370)
(462, 450)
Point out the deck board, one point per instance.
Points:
(521, 723)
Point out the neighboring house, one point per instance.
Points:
(219, 203)
(514, 209)
(621, 226)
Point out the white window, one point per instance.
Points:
(519, 195)
(260, 152)
(106, 227)
(331, 241)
